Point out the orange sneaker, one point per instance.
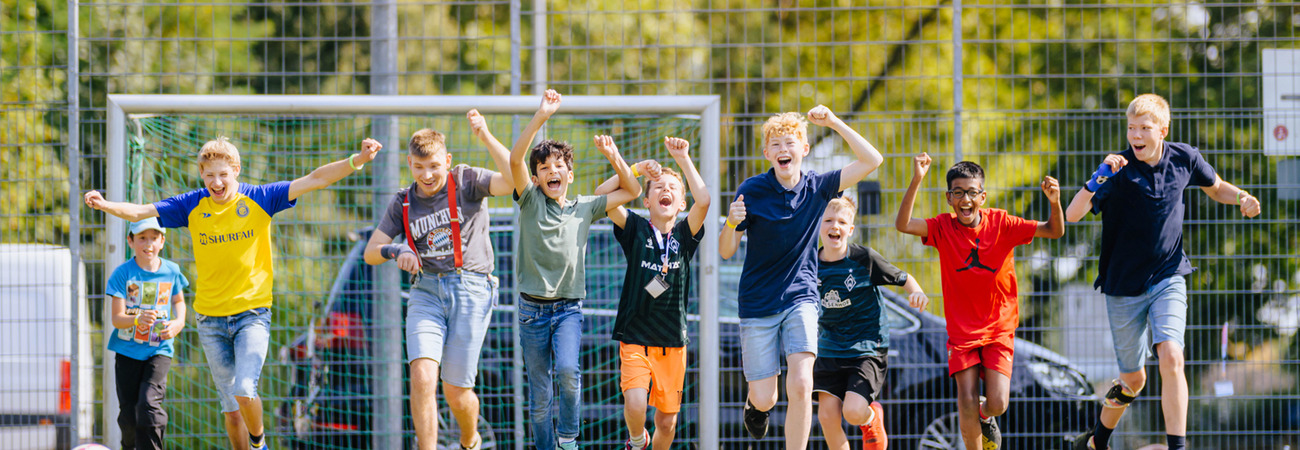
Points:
(873, 434)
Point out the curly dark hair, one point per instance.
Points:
(545, 149)
(966, 169)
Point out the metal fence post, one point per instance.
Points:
(957, 75)
(82, 400)
(386, 176)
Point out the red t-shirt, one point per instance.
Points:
(979, 272)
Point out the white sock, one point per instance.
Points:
(638, 440)
(564, 440)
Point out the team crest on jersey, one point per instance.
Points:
(438, 240)
(673, 245)
(850, 282)
(241, 208)
(832, 300)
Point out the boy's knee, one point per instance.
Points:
(763, 402)
(666, 422)
(968, 402)
(827, 415)
(857, 416)
(1171, 357)
(570, 377)
(1135, 381)
(995, 406)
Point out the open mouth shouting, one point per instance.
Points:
(966, 212)
(553, 184)
(784, 162)
(834, 237)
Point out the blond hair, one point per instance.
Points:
(219, 149)
(1152, 104)
(838, 204)
(426, 143)
(785, 124)
(667, 171)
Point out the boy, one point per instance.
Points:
(230, 226)
(550, 265)
(450, 306)
(853, 343)
(651, 322)
(148, 310)
(1143, 265)
(778, 286)
(976, 260)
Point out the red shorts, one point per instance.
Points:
(994, 353)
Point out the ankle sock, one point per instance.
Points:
(1101, 436)
(638, 441)
(257, 441)
(1176, 442)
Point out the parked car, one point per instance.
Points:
(1051, 400)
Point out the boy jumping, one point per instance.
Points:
(1143, 265)
(651, 322)
(778, 285)
(443, 216)
(230, 227)
(976, 260)
(853, 344)
(550, 266)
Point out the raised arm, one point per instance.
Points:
(519, 153)
(331, 173)
(628, 187)
(1082, 201)
(904, 222)
(868, 157)
(130, 212)
(1054, 228)
(679, 149)
(502, 183)
(729, 240)
(649, 168)
(1228, 194)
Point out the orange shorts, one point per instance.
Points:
(660, 370)
(994, 353)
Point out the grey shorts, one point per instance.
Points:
(1140, 322)
(447, 318)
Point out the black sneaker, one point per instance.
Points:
(1084, 442)
(755, 421)
(992, 434)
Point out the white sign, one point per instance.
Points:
(1281, 102)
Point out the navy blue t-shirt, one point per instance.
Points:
(780, 268)
(1141, 210)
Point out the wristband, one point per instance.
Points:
(634, 172)
(730, 225)
(1099, 177)
(137, 321)
(1241, 194)
(391, 251)
(353, 165)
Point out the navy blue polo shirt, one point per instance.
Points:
(1141, 210)
(780, 268)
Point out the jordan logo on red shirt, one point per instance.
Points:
(973, 261)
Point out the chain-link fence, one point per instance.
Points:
(1026, 90)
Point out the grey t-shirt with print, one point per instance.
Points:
(431, 222)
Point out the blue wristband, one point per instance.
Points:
(1100, 177)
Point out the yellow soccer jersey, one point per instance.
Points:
(232, 244)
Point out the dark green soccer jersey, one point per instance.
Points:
(642, 318)
(854, 323)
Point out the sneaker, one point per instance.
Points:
(873, 434)
(478, 442)
(629, 446)
(992, 435)
(755, 421)
(571, 445)
(1084, 442)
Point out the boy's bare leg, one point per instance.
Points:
(1135, 381)
(798, 388)
(828, 415)
(236, 431)
(424, 402)
(464, 406)
(997, 393)
(250, 409)
(665, 430)
(968, 405)
(762, 393)
(634, 405)
(1173, 389)
(857, 409)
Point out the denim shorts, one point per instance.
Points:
(235, 347)
(447, 318)
(764, 341)
(1140, 322)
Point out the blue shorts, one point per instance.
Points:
(764, 341)
(1140, 322)
(447, 318)
(235, 347)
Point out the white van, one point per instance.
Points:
(36, 348)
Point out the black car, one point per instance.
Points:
(1050, 400)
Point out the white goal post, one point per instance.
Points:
(707, 107)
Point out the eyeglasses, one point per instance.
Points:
(958, 193)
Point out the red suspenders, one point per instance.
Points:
(455, 218)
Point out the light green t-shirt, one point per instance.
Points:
(551, 259)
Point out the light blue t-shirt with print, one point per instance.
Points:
(142, 289)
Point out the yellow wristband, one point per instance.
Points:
(353, 165)
(137, 321)
(729, 224)
(634, 172)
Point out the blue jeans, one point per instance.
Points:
(551, 337)
(1140, 322)
(235, 347)
(450, 311)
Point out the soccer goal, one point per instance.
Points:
(335, 372)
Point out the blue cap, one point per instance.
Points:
(146, 224)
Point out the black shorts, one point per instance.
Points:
(864, 375)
